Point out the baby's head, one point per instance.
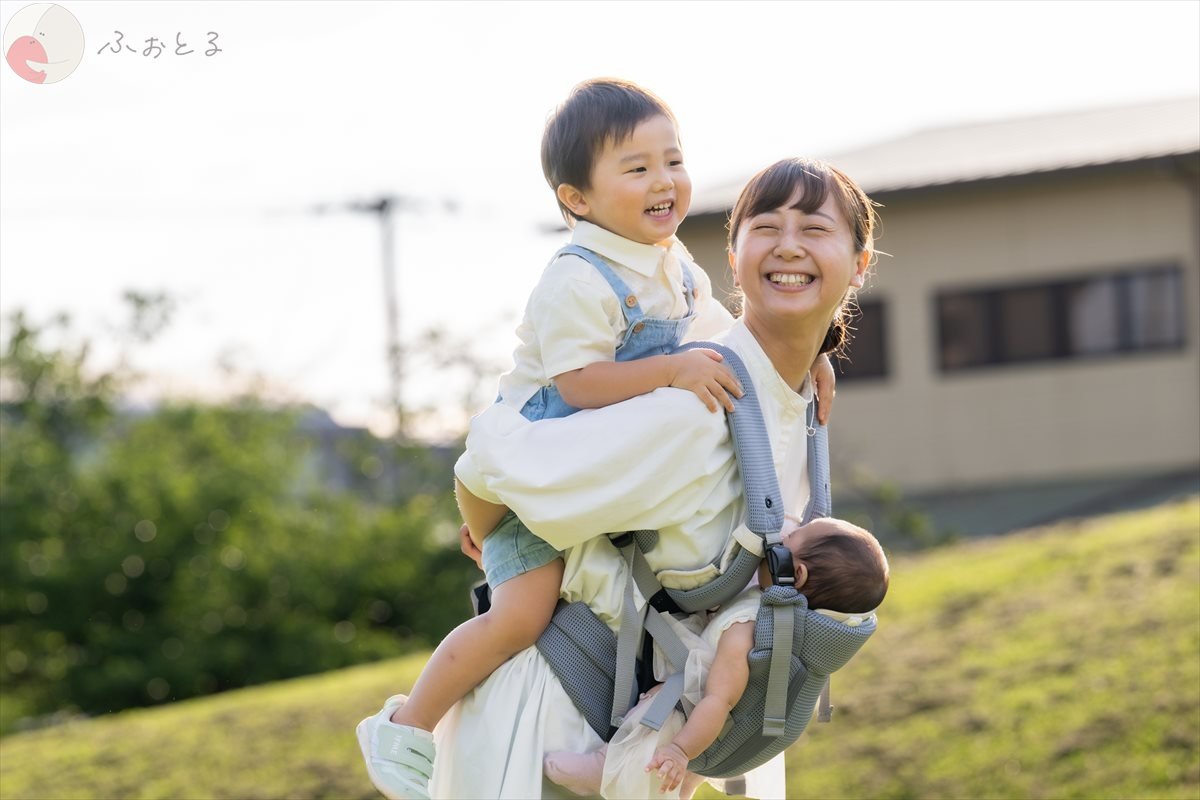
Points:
(839, 566)
(611, 154)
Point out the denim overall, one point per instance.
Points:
(512, 549)
(644, 336)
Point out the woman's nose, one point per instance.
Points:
(789, 246)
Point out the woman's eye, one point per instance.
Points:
(817, 228)
(764, 227)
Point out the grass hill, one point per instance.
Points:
(1061, 662)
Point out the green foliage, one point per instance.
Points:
(1059, 663)
(154, 557)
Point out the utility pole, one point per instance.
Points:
(385, 207)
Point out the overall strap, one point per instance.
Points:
(626, 299)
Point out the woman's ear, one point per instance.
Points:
(801, 574)
(860, 269)
(573, 199)
(733, 268)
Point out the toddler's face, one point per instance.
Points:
(639, 187)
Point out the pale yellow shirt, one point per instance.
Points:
(574, 318)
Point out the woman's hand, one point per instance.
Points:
(671, 763)
(700, 371)
(467, 545)
(825, 383)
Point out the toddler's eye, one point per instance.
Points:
(676, 163)
(638, 169)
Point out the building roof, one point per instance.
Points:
(1010, 147)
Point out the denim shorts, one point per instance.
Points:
(511, 550)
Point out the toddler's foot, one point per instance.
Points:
(581, 773)
(399, 757)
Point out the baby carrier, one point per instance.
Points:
(795, 649)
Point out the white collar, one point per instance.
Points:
(644, 259)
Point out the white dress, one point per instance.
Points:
(569, 479)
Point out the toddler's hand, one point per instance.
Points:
(701, 371)
(468, 546)
(825, 382)
(671, 763)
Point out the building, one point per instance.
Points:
(1031, 346)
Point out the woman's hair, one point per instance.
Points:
(773, 187)
(597, 112)
(847, 570)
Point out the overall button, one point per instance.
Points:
(639, 327)
(631, 301)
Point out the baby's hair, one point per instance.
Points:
(847, 570)
(597, 112)
(813, 180)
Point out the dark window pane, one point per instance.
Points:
(1027, 324)
(866, 357)
(1154, 310)
(963, 324)
(1092, 317)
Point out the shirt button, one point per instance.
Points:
(639, 327)
(631, 301)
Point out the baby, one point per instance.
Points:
(843, 572)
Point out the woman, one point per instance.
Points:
(800, 245)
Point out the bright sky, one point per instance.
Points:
(197, 175)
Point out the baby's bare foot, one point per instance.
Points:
(580, 773)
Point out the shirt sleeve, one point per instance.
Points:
(712, 318)
(572, 318)
(646, 463)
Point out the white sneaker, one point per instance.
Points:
(399, 757)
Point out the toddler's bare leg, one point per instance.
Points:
(581, 773)
(481, 516)
(521, 610)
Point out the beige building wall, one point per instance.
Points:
(1023, 423)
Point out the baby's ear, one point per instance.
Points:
(801, 574)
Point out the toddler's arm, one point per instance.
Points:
(603, 383)
(726, 682)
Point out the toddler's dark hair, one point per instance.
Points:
(597, 111)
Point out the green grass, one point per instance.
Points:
(1058, 663)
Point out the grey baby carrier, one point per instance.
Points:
(794, 651)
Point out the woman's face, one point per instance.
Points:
(795, 266)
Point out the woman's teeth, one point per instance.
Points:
(790, 278)
(660, 210)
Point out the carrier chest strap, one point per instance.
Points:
(775, 711)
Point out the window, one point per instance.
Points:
(1125, 312)
(866, 356)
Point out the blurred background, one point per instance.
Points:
(260, 262)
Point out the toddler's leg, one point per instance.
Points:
(481, 516)
(521, 610)
(691, 782)
(580, 773)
